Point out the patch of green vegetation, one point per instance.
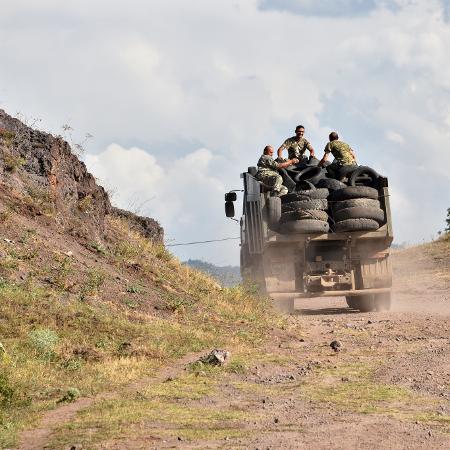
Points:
(352, 387)
(143, 416)
(98, 247)
(40, 197)
(44, 341)
(13, 162)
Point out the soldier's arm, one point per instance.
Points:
(288, 163)
(325, 155)
(353, 153)
(280, 150)
(310, 149)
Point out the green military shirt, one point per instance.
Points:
(266, 163)
(341, 152)
(295, 148)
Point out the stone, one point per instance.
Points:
(336, 346)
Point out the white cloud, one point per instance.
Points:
(187, 196)
(164, 79)
(395, 137)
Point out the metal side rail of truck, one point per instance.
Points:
(290, 266)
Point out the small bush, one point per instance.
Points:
(44, 341)
(6, 391)
(12, 162)
(70, 396)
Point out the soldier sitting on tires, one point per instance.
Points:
(343, 154)
(268, 171)
(296, 146)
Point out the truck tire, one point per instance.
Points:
(359, 213)
(383, 301)
(346, 171)
(351, 302)
(273, 211)
(308, 173)
(362, 171)
(331, 184)
(313, 194)
(354, 192)
(304, 214)
(364, 303)
(304, 185)
(356, 225)
(297, 196)
(355, 202)
(305, 204)
(305, 226)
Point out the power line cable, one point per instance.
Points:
(203, 242)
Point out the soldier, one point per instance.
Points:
(342, 152)
(296, 145)
(268, 171)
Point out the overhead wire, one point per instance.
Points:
(202, 242)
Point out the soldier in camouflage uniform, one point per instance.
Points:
(342, 152)
(268, 171)
(296, 145)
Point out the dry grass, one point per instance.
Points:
(67, 335)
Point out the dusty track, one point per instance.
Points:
(388, 387)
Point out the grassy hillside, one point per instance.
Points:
(81, 318)
(90, 300)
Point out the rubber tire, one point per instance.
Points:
(318, 177)
(356, 225)
(304, 214)
(313, 161)
(383, 301)
(305, 185)
(346, 171)
(365, 303)
(305, 226)
(273, 206)
(359, 213)
(363, 170)
(313, 194)
(308, 173)
(296, 196)
(351, 302)
(354, 192)
(331, 184)
(305, 204)
(368, 203)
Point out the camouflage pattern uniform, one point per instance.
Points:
(268, 174)
(342, 156)
(296, 149)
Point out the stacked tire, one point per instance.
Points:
(356, 208)
(305, 211)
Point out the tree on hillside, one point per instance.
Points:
(447, 229)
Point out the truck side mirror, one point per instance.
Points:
(229, 209)
(230, 197)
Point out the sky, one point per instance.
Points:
(181, 97)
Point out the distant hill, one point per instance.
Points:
(227, 276)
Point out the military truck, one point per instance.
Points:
(288, 264)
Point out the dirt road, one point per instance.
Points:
(385, 385)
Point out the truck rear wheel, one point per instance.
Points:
(364, 303)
